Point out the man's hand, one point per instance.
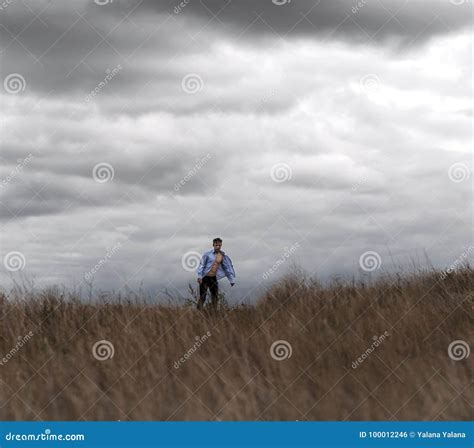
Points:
(199, 280)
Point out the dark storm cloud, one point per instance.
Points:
(66, 49)
(37, 198)
(358, 20)
(365, 20)
(47, 184)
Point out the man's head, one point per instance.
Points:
(217, 244)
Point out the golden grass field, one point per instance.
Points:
(231, 374)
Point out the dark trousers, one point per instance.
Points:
(211, 284)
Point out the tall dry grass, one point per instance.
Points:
(232, 375)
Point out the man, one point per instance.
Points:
(215, 264)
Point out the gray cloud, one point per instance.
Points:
(66, 50)
(370, 136)
(409, 22)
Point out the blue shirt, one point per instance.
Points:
(225, 269)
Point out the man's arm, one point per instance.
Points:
(200, 269)
(229, 270)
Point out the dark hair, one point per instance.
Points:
(216, 240)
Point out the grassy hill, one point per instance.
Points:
(380, 350)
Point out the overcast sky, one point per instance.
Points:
(332, 134)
